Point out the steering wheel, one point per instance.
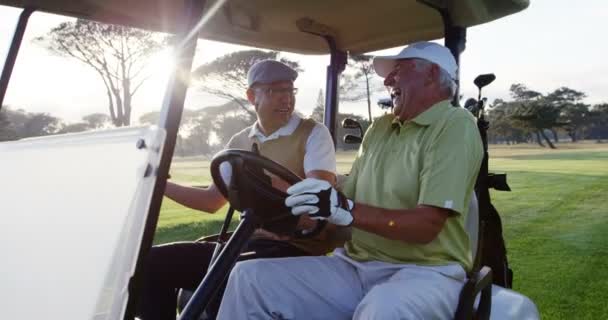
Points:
(250, 188)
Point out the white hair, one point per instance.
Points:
(445, 81)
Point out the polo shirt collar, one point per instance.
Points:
(429, 116)
(285, 130)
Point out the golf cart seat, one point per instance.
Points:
(498, 303)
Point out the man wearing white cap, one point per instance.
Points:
(301, 145)
(406, 199)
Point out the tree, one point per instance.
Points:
(565, 95)
(17, 118)
(356, 84)
(533, 112)
(573, 113)
(97, 120)
(206, 130)
(195, 132)
(226, 76)
(519, 92)
(152, 118)
(601, 108)
(18, 124)
(598, 118)
(74, 127)
(224, 121)
(198, 141)
(501, 125)
(537, 116)
(575, 117)
(318, 113)
(118, 54)
(187, 122)
(7, 130)
(41, 124)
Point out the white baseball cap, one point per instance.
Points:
(429, 51)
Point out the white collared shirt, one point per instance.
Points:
(319, 154)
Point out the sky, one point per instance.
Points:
(551, 44)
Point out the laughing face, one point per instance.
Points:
(274, 104)
(407, 79)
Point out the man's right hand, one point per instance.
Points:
(318, 199)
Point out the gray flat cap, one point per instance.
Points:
(268, 71)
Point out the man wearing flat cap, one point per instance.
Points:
(301, 145)
(406, 199)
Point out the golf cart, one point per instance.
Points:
(105, 247)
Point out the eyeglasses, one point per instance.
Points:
(279, 91)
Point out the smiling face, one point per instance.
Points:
(408, 83)
(274, 104)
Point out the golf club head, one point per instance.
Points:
(471, 105)
(385, 103)
(483, 80)
(349, 123)
(351, 139)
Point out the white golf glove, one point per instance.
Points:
(320, 201)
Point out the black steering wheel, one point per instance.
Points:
(251, 188)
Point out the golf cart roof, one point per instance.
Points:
(357, 26)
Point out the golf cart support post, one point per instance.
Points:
(170, 117)
(335, 68)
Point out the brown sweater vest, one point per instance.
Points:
(289, 152)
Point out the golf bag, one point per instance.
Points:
(493, 252)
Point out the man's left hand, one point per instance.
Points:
(320, 201)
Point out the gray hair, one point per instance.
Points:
(445, 81)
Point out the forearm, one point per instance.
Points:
(323, 175)
(202, 199)
(419, 225)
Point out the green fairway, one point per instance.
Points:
(555, 222)
(556, 227)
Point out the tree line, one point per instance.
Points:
(18, 124)
(202, 131)
(532, 116)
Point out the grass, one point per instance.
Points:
(555, 222)
(178, 223)
(556, 227)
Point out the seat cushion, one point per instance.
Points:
(508, 304)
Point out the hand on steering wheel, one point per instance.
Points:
(320, 201)
(250, 188)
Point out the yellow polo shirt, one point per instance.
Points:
(431, 160)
